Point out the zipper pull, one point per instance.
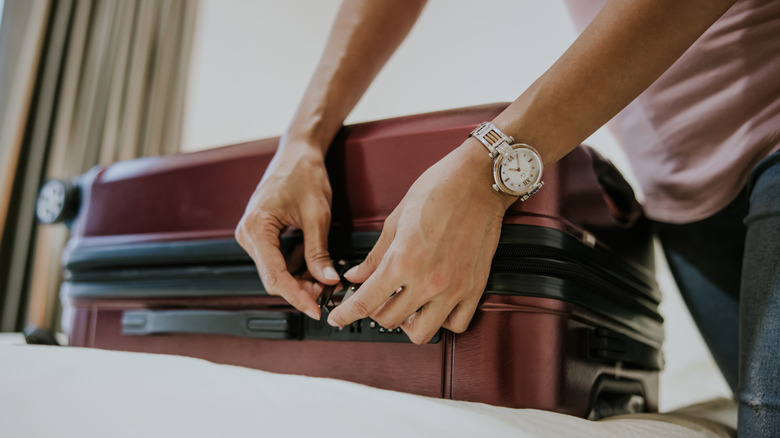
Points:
(325, 300)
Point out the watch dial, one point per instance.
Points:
(520, 170)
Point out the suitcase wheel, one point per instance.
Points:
(612, 396)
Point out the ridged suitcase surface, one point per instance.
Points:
(569, 320)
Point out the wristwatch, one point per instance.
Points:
(517, 168)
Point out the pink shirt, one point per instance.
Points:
(695, 134)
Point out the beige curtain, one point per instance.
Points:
(23, 33)
(109, 86)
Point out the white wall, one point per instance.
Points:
(253, 58)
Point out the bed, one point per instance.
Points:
(48, 391)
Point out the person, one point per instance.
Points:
(692, 90)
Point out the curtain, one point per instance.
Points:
(105, 82)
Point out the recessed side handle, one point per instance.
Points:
(247, 324)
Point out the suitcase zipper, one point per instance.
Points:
(506, 253)
(609, 288)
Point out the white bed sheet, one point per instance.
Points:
(63, 392)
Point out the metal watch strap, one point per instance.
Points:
(491, 137)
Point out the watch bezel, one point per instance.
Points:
(497, 170)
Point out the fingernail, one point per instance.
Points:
(330, 273)
(313, 315)
(351, 271)
(332, 322)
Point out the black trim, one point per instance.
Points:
(530, 261)
(516, 240)
(612, 288)
(607, 304)
(212, 251)
(140, 255)
(646, 322)
(533, 241)
(610, 346)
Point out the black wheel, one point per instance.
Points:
(612, 396)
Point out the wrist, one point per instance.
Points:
(517, 166)
(293, 157)
(298, 144)
(313, 126)
(477, 158)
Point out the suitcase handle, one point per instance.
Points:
(247, 324)
(618, 193)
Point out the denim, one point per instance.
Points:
(705, 258)
(728, 270)
(759, 314)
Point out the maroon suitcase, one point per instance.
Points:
(569, 320)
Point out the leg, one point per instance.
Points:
(705, 258)
(759, 337)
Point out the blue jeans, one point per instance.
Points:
(728, 270)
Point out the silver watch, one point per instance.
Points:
(517, 167)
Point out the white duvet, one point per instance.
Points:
(65, 391)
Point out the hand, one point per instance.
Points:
(294, 192)
(436, 247)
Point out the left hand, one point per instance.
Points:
(436, 246)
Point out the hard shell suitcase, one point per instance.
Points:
(569, 320)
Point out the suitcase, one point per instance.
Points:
(568, 322)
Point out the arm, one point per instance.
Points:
(626, 47)
(438, 244)
(295, 190)
(364, 36)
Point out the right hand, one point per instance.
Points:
(294, 192)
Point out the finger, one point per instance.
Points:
(397, 309)
(315, 242)
(370, 296)
(421, 326)
(460, 317)
(360, 273)
(312, 288)
(305, 275)
(277, 280)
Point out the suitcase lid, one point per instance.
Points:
(170, 220)
(202, 195)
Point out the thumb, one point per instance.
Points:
(315, 243)
(361, 272)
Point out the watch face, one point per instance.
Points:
(518, 171)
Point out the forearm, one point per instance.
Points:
(364, 36)
(622, 52)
